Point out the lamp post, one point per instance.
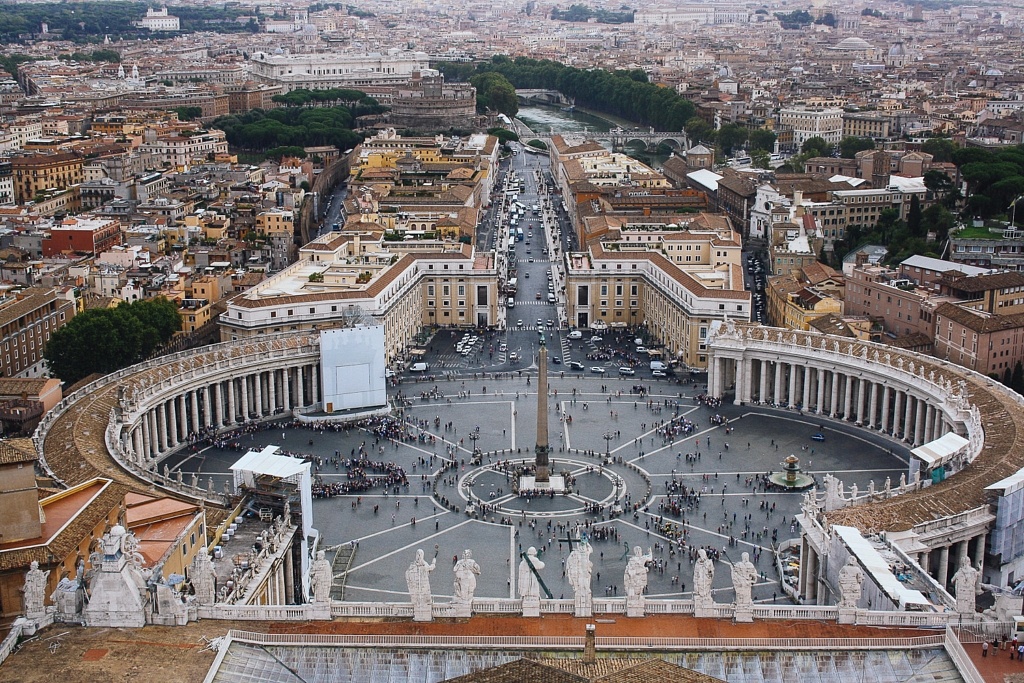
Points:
(1013, 210)
(608, 436)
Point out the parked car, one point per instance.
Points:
(575, 365)
(659, 373)
(626, 371)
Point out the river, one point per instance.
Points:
(545, 120)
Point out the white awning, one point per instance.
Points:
(1012, 483)
(942, 450)
(268, 462)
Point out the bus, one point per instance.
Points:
(519, 234)
(512, 244)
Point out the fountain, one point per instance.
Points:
(791, 478)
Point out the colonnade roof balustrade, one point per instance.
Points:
(992, 415)
(71, 438)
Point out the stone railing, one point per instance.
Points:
(961, 660)
(11, 641)
(576, 643)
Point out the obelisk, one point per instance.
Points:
(543, 468)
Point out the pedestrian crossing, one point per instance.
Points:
(533, 302)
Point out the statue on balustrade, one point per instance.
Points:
(466, 571)
(578, 569)
(417, 578)
(703, 576)
(635, 579)
(321, 578)
(529, 587)
(744, 576)
(851, 583)
(35, 590)
(967, 582)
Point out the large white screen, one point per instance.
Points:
(352, 367)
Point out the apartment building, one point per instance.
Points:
(82, 236)
(620, 288)
(344, 277)
(172, 149)
(27, 320)
(793, 305)
(989, 344)
(334, 70)
(36, 173)
(804, 123)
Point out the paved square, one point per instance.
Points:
(628, 475)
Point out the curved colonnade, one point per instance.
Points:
(122, 425)
(905, 395)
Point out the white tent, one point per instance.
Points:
(942, 450)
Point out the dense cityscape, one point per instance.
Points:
(290, 293)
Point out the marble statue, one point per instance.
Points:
(287, 517)
(204, 578)
(578, 569)
(466, 571)
(903, 479)
(967, 582)
(417, 578)
(529, 586)
(888, 486)
(871, 487)
(703, 575)
(67, 598)
(851, 583)
(853, 491)
(744, 576)
(635, 579)
(35, 590)
(321, 578)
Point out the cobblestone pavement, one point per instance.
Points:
(608, 440)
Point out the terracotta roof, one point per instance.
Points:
(830, 323)
(13, 451)
(73, 516)
(670, 269)
(984, 283)
(982, 323)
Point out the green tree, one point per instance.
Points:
(914, 217)
(762, 138)
(850, 145)
(699, 130)
(760, 158)
(106, 339)
(504, 135)
(731, 137)
(1017, 378)
(941, 149)
(188, 113)
(816, 146)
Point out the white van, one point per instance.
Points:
(418, 367)
(658, 365)
(575, 334)
(551, 298)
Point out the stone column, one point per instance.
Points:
(847, 397)
(943, 567)
(821, 375)
(314, 370)
(171, 425)
(244, 399)
(922, 559)
(207, 408)
(763, 368)
(740, 377)
(861, 397)
(196, 425)
(289, 580)
(161, 428)
(908, 415)
(272, 390)
(300, 389)
(154, 433)
(873, 405)
(183, 416)
(961, 552)
(791, 399)
(232, 412)
(140, 457)
(920, 411)
(806, 401)
(218, 405)
(884, 426)
(777, 389)
(286, 387)
(897, 413)
(257, 381)
(979, 549)
(929, 425)
(833, 411)
(748, 379)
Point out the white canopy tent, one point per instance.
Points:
(268, 463)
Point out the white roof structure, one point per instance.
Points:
(942, 450)
(941, 266)
(1012, 483)
(267, 462)
(705, 178)
(875, 564)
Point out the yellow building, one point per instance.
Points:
(268, 222)
(793, 305)
(170, 532)
(36, 173)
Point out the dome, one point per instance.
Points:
(897, 50)
(993, 72)
(853, 43)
